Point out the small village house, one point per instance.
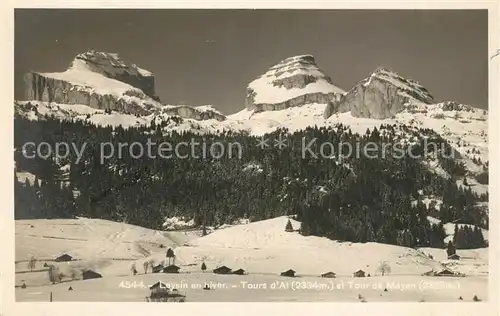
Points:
(359, 274)
(159, 287)
(288, 273)
(222, 270)
(89, 274)
(239, 272)
(328, 275)
(64, 258)
(160, 292)
(171, 269)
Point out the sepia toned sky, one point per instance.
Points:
(209, 56)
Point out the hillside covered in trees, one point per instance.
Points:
(355, 199)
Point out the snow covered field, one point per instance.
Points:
(263, 249)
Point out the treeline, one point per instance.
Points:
(355, 198)
(465, 237)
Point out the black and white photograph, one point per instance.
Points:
(252, 155)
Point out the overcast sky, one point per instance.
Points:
(209, 56)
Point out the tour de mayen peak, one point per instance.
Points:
(311, 192)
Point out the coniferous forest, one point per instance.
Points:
(357, 199)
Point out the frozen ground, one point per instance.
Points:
(262, 248)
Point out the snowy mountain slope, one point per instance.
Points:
(472, 261)
(261, 248)
(465, 129)
(258, 247)
(265, 247)
(111, 66)
(91, 241)
(39, 110)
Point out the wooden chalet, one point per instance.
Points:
(359, 274)
(445, 272)
(64, 258)
(239, 272)
(222, 270)
(328, 275)
(160, 292)
(171, 269)
(89, 274)
(288, 273)
(158, 268)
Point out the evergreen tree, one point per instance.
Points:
(450, 250)
(170, 255)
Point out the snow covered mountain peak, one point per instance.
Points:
(294, 81)
(110, 65)
(409, 88)
(381, 95)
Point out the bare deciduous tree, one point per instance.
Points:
(151, 263)
(133, 269)
(32, 263)
(384, 268)
(73, 274)
(52, 274)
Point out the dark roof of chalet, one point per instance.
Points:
(158, 266)
(91, 273)
(158, 284)
(446, 270)
(223, 268)
(239, 270)
(289, 271)
(172, 266)
(359, 271)
(64, 256)
(329, 272)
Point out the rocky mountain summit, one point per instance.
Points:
(104, 82)
(110, 65)
(383, 94)
(294, 81)
(298, 81)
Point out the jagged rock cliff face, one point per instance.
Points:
(103, 81)
(292, 82)
(381, 95)
(98, 80)
(41, 87)
(199, 113)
